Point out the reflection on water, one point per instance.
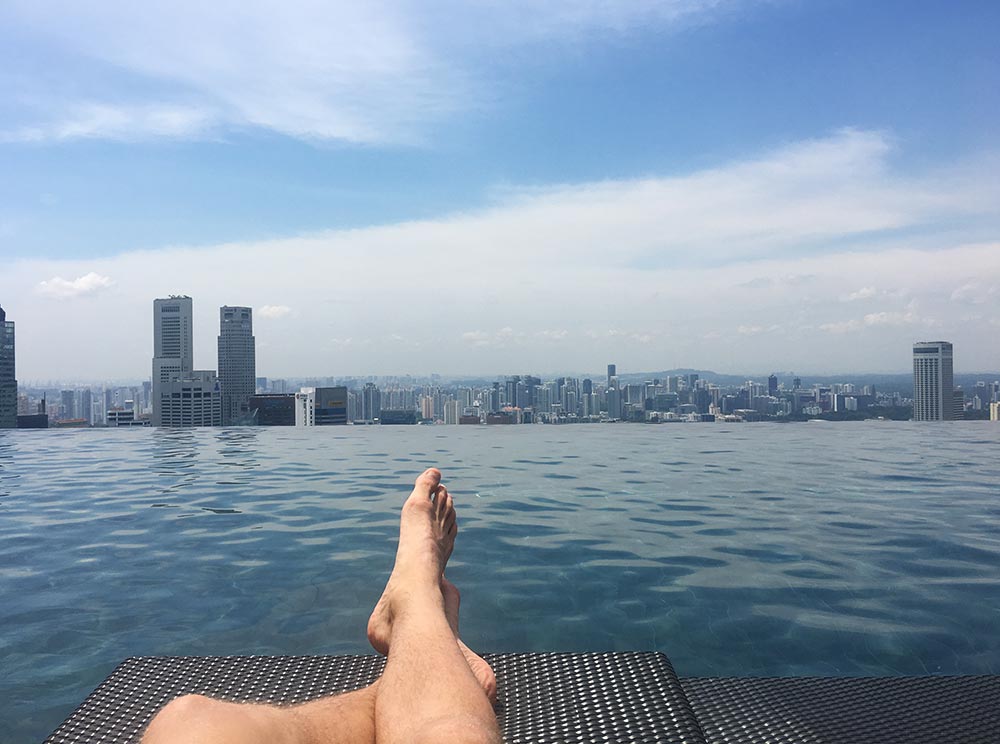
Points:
(756, 549)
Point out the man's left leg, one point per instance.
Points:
(337, 719)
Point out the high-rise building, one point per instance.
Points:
(190, 399)
(772, 385)
(67, 401)
(173, 347)
(305, 407)
(933, 384)
(237, 363)
(8, 382)
(612, 372)
(86, 411)
(371, 402)
(330, 406)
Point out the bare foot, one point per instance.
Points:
(483, 671)
(427, 530)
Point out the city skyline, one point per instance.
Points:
(732, 185)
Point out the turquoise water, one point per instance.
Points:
(834, 549)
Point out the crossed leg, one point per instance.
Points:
(433, 688)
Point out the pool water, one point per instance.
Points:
(754, 549)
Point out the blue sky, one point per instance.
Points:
(577, 181)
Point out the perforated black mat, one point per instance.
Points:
(614, 697)
(859, 710)
(571, 698)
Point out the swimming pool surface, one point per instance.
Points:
(754, 549)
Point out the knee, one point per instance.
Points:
(459, 729)
(181, 715)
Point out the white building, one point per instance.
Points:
(305, 407)
(933, 383)
(452, 409)
(193, 399)
(237, 363)
(173, 347)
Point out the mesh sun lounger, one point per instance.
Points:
(612, 697)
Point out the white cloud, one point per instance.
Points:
(273, 311)
(120, 122)
(908, 316)
(552, 335)
(87, 284)
(355, 72)
(974, 293)
(643, 273)
(864, 293)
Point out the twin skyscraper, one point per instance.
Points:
(183, 396)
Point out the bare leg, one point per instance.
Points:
(437, 687)
(428, 692)
(195, 719)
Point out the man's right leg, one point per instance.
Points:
(428, 693)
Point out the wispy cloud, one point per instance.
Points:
(355, 72)
(865, 293)
(688, 249)
(87, 284)
(908, 316)
(120, 122)
(273, 311)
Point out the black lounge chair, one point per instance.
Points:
(595, 697)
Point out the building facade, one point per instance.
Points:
(237, 363)
(8, 380)
(271, 409)
(933, 381)
(330, 406)
(305, 407)
(173, 347)
(193, 399)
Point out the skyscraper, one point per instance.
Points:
(612, 372)
(8, 383)
(191, 399)
(933, 385)
(237, 362)
(371, 402)
(173, 348)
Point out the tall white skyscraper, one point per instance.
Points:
(173, 347)
(933, 382)
(181, 395)
(237, 362)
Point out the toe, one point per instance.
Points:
(427, 483)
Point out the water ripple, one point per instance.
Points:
(736, 550)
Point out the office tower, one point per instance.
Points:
(191, 399)
(933, 386)
(173, 349)
(614, 401)
(67, 399)
(272, 410)
(772, 385)
(87, 406)
(510, 390)
(330, 406)
(305, 407)
(237, 363)
(612, 372)
(371, 402)
(796, 383)
(8, 382)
